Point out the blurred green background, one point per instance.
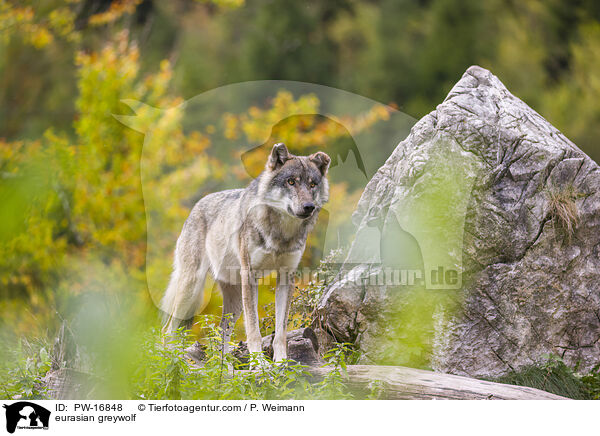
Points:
(72, 217)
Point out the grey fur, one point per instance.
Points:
(238, 234)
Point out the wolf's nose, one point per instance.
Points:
(308, 207)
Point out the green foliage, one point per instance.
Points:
(403, 51)
(23, 364)
(341, 355)
(37, 27)
(591, 382)
(164, 374)
(67, 198)
(155, 367)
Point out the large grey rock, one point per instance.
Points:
(490, 189)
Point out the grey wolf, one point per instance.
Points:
(238, 235)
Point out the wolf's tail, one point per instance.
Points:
(184, 295)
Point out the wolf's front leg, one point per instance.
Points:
(283, 295)
(250, 304)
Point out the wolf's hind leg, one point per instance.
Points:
(232, 309)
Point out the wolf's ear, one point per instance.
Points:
(279, 156)
(321, 160)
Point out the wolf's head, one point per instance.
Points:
(296, 185)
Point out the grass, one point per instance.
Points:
(563, 209)
(554, 376)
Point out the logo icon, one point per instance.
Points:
(26, 415)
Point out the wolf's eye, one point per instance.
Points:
(313, 184)
(291, 181)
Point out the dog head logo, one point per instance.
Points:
(26, 415)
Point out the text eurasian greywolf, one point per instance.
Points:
(238, 235)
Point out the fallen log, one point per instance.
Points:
(401, 383)
(70, 384)
(396, 383)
